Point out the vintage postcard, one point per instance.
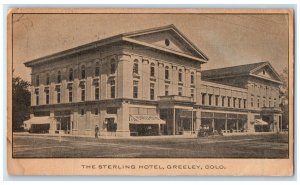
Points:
(150, 92)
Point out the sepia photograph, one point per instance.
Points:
(132, 84)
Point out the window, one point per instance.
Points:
(203, 98)
(37, 80)
(258, 105)
(166, 90)
(112, 66)
(37, 97)
(97, 69)
(269, 103)
(240, 102)
(152, 91)
(245, 103)
(71, 78)
(192, 78)
(83, 93)
(180, 75)
(217, 100)
(96, 111)
(223, 101)
(136, 67)
(252, 103)
(112, 89)
(58, 95)
(97, 93)
(275, 102)
(152, 70)
(192, 93)
(228, 101)
(209, 99)
(70, 94)
(167, 73)
(47, 96)
(47, 79)
(179, 91)
(234, 102)
(135, 89)
(81, 112)
(264, 72)
(58, 77)
(82, 72)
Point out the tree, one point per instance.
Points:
(20, 102)
(284, 92)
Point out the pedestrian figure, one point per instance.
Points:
(96, 131)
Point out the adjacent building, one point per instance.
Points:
(150, 82)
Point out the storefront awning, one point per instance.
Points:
(145, 119)
(260, 122)
(39, 120)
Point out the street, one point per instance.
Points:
(245, 146)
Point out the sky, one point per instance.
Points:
(227, 40)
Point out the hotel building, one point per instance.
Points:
(150, 82)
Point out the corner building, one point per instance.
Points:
(150, 83)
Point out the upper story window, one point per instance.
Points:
(83, 72)
(135, 67)
(97, 69)
(83, 93)
(223, 101)
(152, 92)
(58, 95)
(112, 89)
(252, 102)
(167, 73)
(234, 102)
(47, 79)
(135, 89)
(228, 101)
(209, 99)
(192, 78)
(245, 103)
(58, 77)
(203, 98)
(180, 91)
(97, 91)
(37, 80)
(258, 102)
(240, 102)
(217, 100)
(70, 94)
(180, 75)
(112, 66)
(37, 97)
(152, 70)
(47, 96)
(71, 77)
(264, 72)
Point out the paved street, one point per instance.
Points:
(248, 146)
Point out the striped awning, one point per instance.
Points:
(145, 119)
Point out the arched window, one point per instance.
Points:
(136, 67)
(112, 66)
(47, 79)
(152, 69)
(97, 69)
(167, 73)
(180, 75)
(192, 78)
(71, 78)
(58, 77)
(82, 72)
